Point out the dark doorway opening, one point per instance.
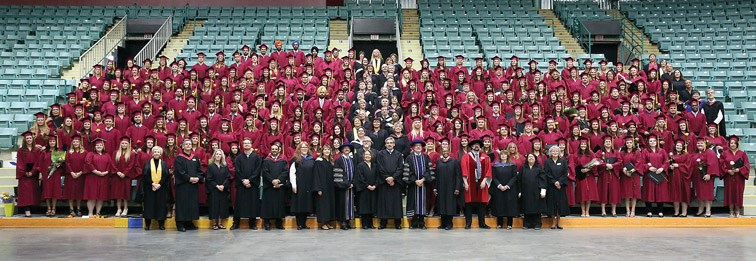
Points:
(386, 47)
(609, 50)
(131, 48)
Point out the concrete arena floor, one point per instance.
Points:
(569, 244)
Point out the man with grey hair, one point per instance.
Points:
(389, 167)
(188, 176)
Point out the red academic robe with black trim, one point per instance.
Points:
(475, 193)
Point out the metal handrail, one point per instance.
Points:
(159, 39)
(632, 41)
(107, 43)
(584, 35)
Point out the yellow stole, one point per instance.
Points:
(156, 172)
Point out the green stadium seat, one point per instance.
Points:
(14, 95)
(739, 121)
(22, 121)
(8, 138)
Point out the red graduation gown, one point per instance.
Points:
(28, 187)
(120, 188)
(475, 193)
(630, 187)
(73, 189)
(586, 189)
(679, 178)
(95, 186)
(609, 180)
(734, 184)
(652, 192)
(51, 185)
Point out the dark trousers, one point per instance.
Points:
(301, 219)
(397, 222)
(658, 209)
(446, 221)
(500, 221)
(367, 220)
(148, 222)
(252, 222)
(418, 221)
(479, 208)
(532, 221)
(269, 221)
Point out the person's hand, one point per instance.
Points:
(707, 177)
(676, 165)
(221, 187)
(609, 166)
(543, 193)
(121, 175)
(482, 184)
(390, 179)
(419, 183)
(275, 182)
(28, 174)
(350, 186)
(557, 185)
(735, 170)
(652, 169)
(320, 193)
(467, 187)
(456, 192)
(294, 189)
(659, 171)
(584, 170)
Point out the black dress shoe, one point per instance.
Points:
(381, 227)
(235, 227)
(485, 227)
(364, 227)
(447, 228)
(559, 227)
(280, 228)
(182, 229)
(253, 228)
(147, 228)
(161, 227)
(299, 228)
(398, 227)
(468, 226)
(267, 228)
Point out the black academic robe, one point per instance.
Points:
(218, 199)
(389, 197)
(345, 193)
(532, 180)
(303, 200)
(504, 203)
(556, 199)
(154, 202)
(365, 176)
(273, 200)
(419, 168)
(448, 179)
(187, 194)
(247, 199)
(402, 144)
(325, 208)
(711, 111)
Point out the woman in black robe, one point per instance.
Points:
(401, 142)
(155, 197)
(188, 177)
(504, 202)
(325, 188)
(247, 182)
(275, 173)
(364, 183)
(532, 192)
(447, 187)
(218, 185)
(556, 184)
(302, 178)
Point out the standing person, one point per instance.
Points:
(50, 168)
(218, 177)
(26, 174)
(247, 182)
(609, 176)
(476, 176)
(556, 170)
(714, 111)
(504, 190)
(345, 165)
(188, 177)
(389, 165)
(365, 185)
(275, 173)
(302, 178)
(704, 161)
(99, 165)
(419, 179)
(124, 166)
(630, 186)
(679, 178)
(532, 192)
(155, 195)
(655, 160)
(73, 189)
(325, 188)
(447, 187)
(586, 190)
(735, 168)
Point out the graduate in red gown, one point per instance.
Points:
(654, 159)
(50, 168)
(630, 187)
(98, 167)
(476, 173)
(609, 176)
(734, 174)
(73, 189)
(124, 170)
(27, 175)
(703, 175)
(586, 190)
(679, 178)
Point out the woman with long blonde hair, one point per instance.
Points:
(124, 166)
(218, 178)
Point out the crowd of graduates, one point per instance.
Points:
(276, 133)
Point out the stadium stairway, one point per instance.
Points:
(565, 37)
(178, 41)
(73, 72)
(339, 35)
(410, 37)
(648, 46)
